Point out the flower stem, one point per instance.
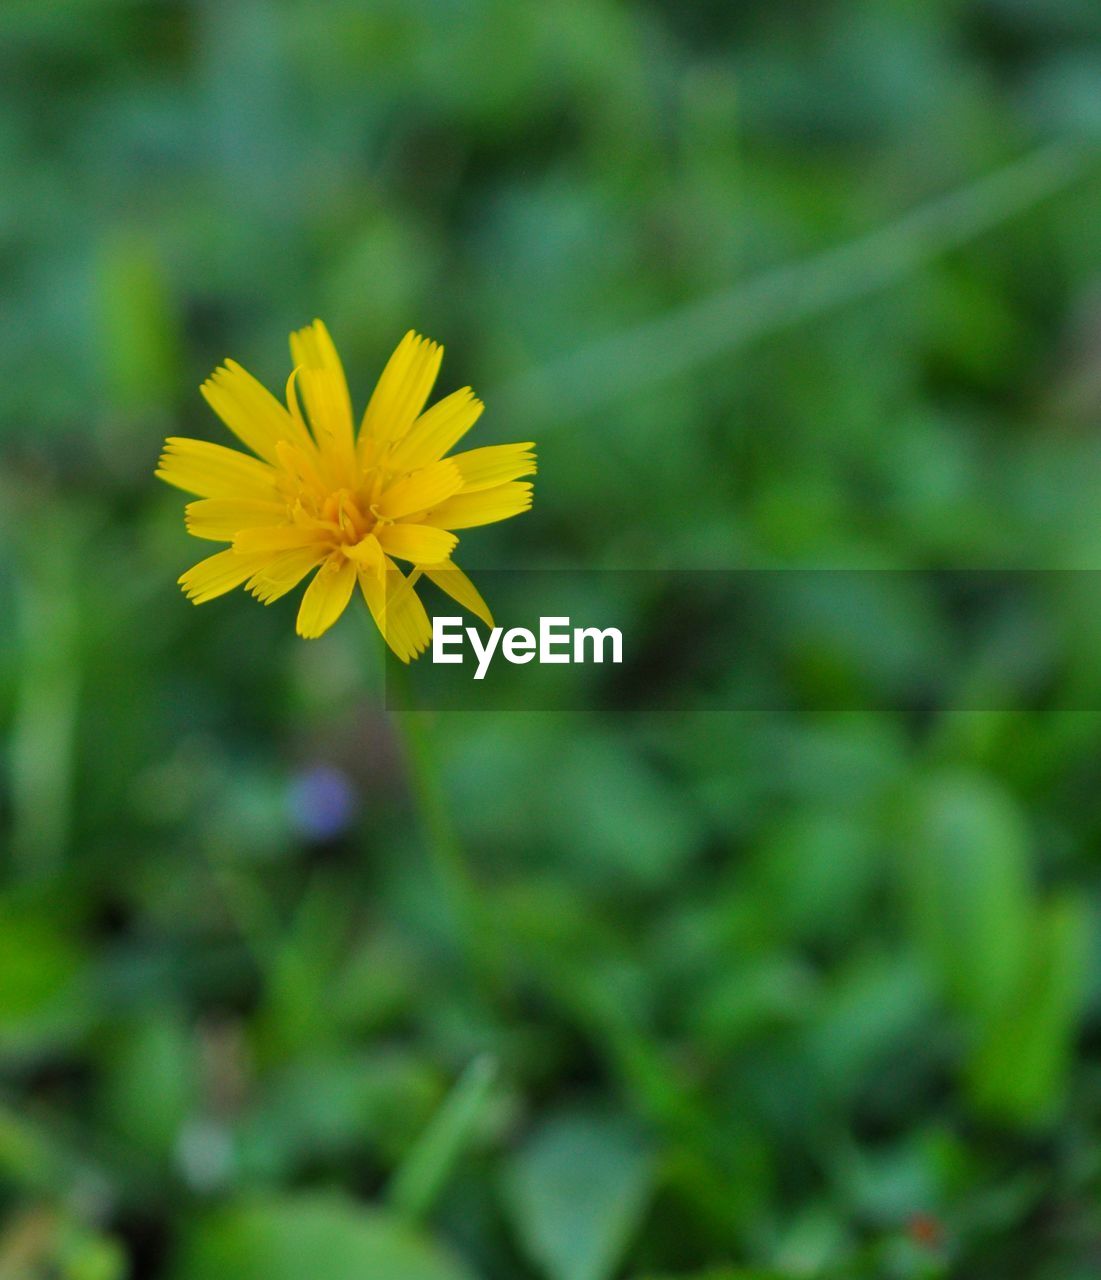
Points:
(471, 925)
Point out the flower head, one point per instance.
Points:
(317, 496)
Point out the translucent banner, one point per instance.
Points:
(752, 640)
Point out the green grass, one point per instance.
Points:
(290, 985)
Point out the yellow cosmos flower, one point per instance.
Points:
(315, 495)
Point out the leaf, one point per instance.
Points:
(140, 343)
(874, 1004)
(150, 1082)
(969, 892)
(577, 1192)
(291, 1237)
(623, 824)
(39, 977)
(725, 1273)
(427, 1166)
(39, 1241)
(1021, 1068)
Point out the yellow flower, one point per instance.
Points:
(315, 494)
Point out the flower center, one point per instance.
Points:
(343, 510)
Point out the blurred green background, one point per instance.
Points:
(726, 996)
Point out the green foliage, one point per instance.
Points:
(424, 1171)
(577, 1191)
(968, 873)
(290, 1236)
(1021, 1068)
(767, 996)
(1012, 966)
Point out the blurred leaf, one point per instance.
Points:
(1020, 1070)
(304, 959)
(967, 879)
(151, 1082)
(40, 967)
(39, 1242)
(723, 1273)
(44, 728)
(576, 1192)
(290, 1237)
(425, 1168)
(140, 336)
(320, 1108)
(623, 823)
(875, 1004)
(43, 1155)
(754, 997)
(87, 1255)
(819, 869)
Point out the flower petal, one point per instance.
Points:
(495, 464)
(283, 573)
(419, 491)
(465, 510)
(251, 412)
(437, 430)
(401, 391)
(324, 388)
(221, 519)
(451, 580)
(213, 471)
(367, 554)
(419, 543)
(280, 537)
(301, 468)
(326, 597)
(397, 611)
(218, 574)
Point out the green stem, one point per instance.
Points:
(471, 925)
(427, 1166)
(678, 341)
